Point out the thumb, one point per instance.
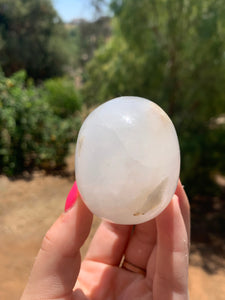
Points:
(58, 262)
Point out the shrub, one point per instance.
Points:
(62, 96)
(31, 135)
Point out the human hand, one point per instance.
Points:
(156, 257)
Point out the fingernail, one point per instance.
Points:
(72, 197)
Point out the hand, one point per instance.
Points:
(160, 247)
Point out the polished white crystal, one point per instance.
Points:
(127, 160)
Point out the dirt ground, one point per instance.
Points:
(29, 206)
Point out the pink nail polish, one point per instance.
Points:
(72, 197)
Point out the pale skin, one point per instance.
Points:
(161, 246)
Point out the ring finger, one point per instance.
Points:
(141, 244)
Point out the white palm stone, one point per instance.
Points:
(127, 160)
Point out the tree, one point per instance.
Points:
(33, 38)
(171, 52)
(88, 36)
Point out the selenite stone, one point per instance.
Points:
(127, 160)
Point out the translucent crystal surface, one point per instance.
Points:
(127, 160)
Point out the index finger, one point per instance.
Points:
(58, 262)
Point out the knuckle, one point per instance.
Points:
(47, 242)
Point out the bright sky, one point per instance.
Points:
(74, 9)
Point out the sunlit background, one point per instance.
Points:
(58, 60)
(69, 10)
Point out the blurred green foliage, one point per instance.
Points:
(89, 36)
(171, 52)
(31, 134)
(33, 37)
(62, 96)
